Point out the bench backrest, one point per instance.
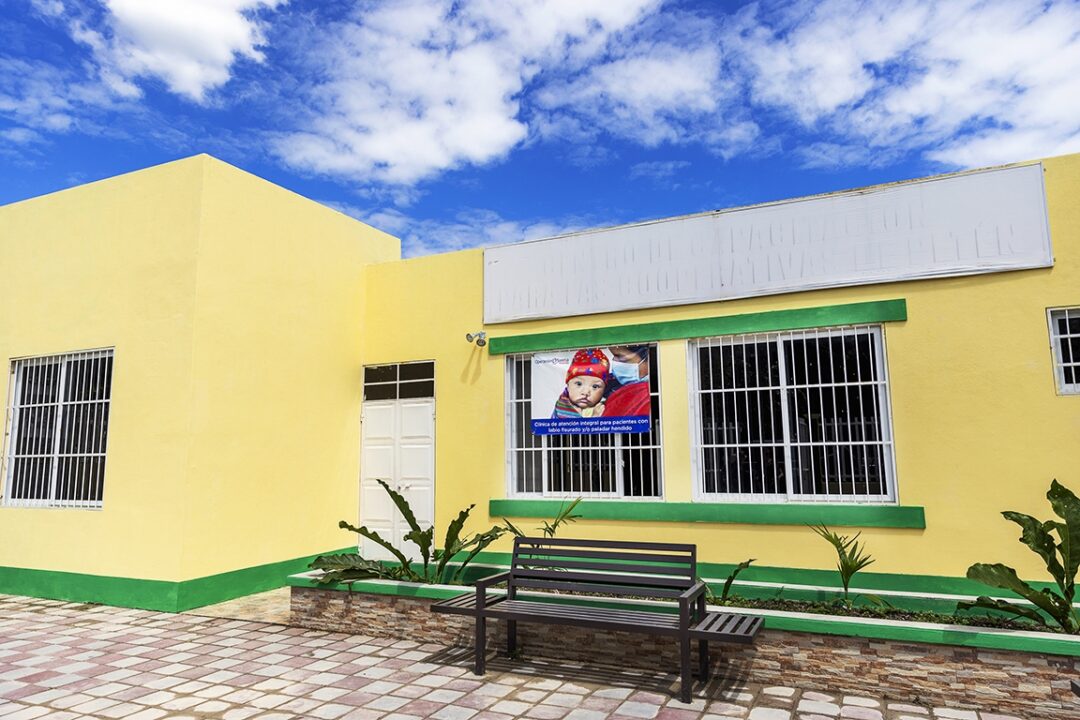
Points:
(610, 567)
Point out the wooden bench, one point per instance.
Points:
(606, 568)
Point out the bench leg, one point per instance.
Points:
(703, 659)
(481, 644)
(687, 668)
(511, 638)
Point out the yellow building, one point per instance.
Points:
(208, 372)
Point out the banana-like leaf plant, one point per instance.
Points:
(1061, 557)
(731, 578)
(851, 557)
(351, 567)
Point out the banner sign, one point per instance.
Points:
(980, 222)
(591, 391)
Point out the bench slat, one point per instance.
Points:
(465, 604)
(606, 618)
(727, 627)
(522, 556)
(619, 544)
(597, 587)
(609, 578)
(644, 566)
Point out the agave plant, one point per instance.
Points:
(851, 557)
(434, 561)
(1061, 556)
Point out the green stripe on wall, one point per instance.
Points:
(237, 583)
(77, 587)
(825, 316)
(163, 595)
(866, 580)
(891, 516)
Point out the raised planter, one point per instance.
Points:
(1004, 671)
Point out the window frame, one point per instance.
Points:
(1061, 387)
(615, 495)
(16, 377)
(397, 383)
(886, 427)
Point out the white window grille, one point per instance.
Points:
(57, 429)
(1065, 341)
(625, 465)
(792, 417)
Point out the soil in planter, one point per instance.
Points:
(881, 613)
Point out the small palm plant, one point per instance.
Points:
(851, 557)
(565, 516)
(350, 567)
(1062, 559)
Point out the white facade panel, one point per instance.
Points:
(987, 221)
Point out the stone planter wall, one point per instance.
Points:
(1007, 682)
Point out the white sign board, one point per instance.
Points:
(980, 222)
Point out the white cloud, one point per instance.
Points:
(418, 87)
(21, 136)
(467, 229)
(45, 98)
(658, 169)
(966, 82)
(659, 94)
(190, 45)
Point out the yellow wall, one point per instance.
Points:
(235, 309)
(110, 264)
(977, 422)
(241, 315)
(275, 406)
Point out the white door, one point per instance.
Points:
(397, 447)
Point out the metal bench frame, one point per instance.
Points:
(610, 568)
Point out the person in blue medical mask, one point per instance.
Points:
(630, 368)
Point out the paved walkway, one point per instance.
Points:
(62, 661)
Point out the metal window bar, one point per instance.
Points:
(628, 465)
(798, 416)
(1065, 345)
(57, 430)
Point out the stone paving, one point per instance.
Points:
(64, 661)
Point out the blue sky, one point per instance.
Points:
(462, 123)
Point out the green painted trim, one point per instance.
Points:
(941, 584)
(405, 589)
(890, 516)
(218, 588)
(953, 635)
(162, 595)
(79, 587)
(773, 320)
(967, 637)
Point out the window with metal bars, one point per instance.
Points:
(793, 416)
(625, 465)
(1065, 341)
(57, 428)
(399, 381)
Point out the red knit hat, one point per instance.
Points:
(589, 361)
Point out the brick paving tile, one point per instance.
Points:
(64, 661)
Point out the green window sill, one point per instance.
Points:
(889, 516)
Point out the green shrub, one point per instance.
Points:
(350, 567)
(1061, 556)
